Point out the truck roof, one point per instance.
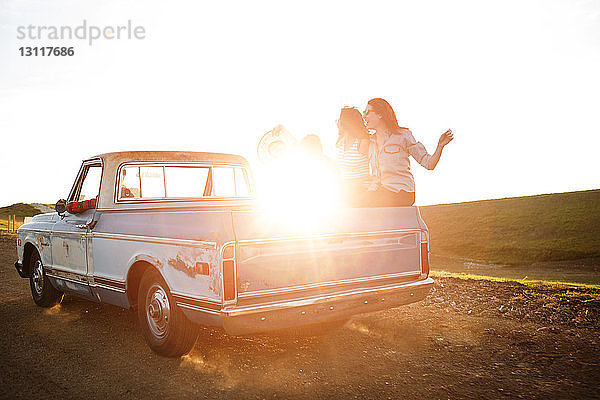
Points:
(189, 156)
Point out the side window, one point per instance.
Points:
(153, 182)
(142, 182)
(90, 188)
(130, 183)
(181, 182)
(186, 181)
(242, 188)
(223, 182)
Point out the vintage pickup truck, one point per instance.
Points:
(177, 236)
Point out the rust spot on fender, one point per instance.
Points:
(41, 240)
(200, 264)
(180, 265)
(149, 259)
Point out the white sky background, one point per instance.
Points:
(519, 81)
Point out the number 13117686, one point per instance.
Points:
(46, 51)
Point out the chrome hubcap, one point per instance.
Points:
(37, 276)
(158, 311)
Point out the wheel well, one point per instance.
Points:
(27, 252)
(137, 270)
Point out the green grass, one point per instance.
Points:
(524, 281)
(519, 230)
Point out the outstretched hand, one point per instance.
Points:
(446, 138)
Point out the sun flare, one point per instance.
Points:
(300, 191)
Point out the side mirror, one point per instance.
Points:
(61, 206)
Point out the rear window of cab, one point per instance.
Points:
(180, 182)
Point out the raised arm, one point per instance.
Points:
(445, 138)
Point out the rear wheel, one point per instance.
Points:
(166, 329)
(42, 291)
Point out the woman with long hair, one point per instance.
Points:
(352, 156)
(391, 146)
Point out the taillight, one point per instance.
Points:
(425, 258)
(228, 263)
(425, 253)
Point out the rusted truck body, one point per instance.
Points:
(179, 237)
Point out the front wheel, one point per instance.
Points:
(166, 329)
(42, 291)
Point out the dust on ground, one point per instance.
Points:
(474, 339)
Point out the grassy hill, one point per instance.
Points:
(20, 210)
(519, 230)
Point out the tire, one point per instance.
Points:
(42, 291)
(166, 329)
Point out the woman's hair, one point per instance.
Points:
(311, 144)
(351, 124)
(386, 112)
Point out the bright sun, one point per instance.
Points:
(300, 191)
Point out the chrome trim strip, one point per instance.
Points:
(80, 233)
(54, 270)
(155, 239)
(167, 206)
(289, 289)
(56, 232)
(57, 273)
(326, 236)
(152, 200)
(30, 230)
(185, 296)
(50, 268)
(63, 278)
(232, 312)
(195, 209)
(114, 289)
(100, 280)
(196, 308)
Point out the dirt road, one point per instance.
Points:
(472, 339)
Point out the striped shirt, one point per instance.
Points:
(352, 164)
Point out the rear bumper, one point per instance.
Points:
(19, 268)
(273, 316)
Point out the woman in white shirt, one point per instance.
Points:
(390, 148)
(352, 156)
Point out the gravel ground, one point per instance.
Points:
(473, 339)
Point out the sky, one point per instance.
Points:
(518, 81)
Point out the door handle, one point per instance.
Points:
(81, 226)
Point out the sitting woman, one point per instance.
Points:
(352, 156)
(391, 145)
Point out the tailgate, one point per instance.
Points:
(361, 246)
